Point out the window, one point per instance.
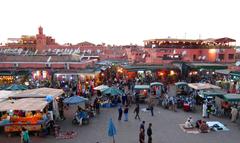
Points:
(221, 57)
(230, 56)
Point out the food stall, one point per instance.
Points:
(157, 88)
(26, 112)
(141, 92)
(200, 87)
(182, 88)
(42, 93)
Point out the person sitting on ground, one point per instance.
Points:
(191, 120)
(188, 124)
(204, 127)
(198, 123)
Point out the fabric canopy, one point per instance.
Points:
(156, 83)
(201, 86)
(232, 97)
(113, 91)
(181, 84)
(25, 104)
(224, 72)
(4, 94)
(38, 93)
(141, 87)
(101, 87)
(212, 93)
(74, 100)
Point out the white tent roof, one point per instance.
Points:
(24, 104)
(200, 86)
(4, 94)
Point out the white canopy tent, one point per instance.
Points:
(24, 104)
(38, 93)
(5, 94)
(41, 93)
(201, 86)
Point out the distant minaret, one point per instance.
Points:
(41, 40)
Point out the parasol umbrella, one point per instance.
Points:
(112, 91)
(111, 130)
(74, 100)
(15, 87)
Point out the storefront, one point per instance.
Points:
(10, 77)
(147, 73)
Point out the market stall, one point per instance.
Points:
(50, 93)
(182, 88)
(141, 92)
(157, 88)
(199, 87)
(26, 112)
(111, 97)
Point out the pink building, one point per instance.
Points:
(211, 50)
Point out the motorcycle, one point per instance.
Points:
(81, 118)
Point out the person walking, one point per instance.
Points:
(149, 133)
(136, 111)
(126, 113)
(25, 136)
(120, 111)
(142, 126)
(151, 109)
(141, 136)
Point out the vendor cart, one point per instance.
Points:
(141, 92)
(157, 88)
(182, 88)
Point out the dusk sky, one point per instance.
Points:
(120, 21)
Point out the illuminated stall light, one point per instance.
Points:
(161, 73)
(26, 83)
(172, 72)
(44, 74)
(38, 73)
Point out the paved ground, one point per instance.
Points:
(165, 129)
